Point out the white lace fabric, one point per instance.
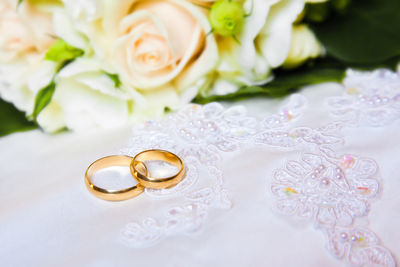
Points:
(311, 180)
(317, 182)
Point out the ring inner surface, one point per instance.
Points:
(112, 175)
(159, 155)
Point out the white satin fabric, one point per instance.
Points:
(234, 207)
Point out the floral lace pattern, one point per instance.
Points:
(369, 99)
(198, 135)
(333, 192)
(360, 247)
(330, 189)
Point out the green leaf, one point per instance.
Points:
(12, 120)
(167, 110)
(368, 32)
(43, 98)
(114, 78)
(317, 12)
(340, 5)
(60, 51)
(286, 82)
(19, 2)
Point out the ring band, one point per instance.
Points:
(152, 182)
(113, 195)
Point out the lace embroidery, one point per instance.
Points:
(296, 137)
(333, 191)
(288, 113)
(328, 189)
(198, 135)
(360, 247)
(369, 99)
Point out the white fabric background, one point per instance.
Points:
(48, 218)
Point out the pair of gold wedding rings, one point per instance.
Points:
(138, 170)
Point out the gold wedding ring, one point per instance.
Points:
(138, 170)
(153, 182)
(113, 195)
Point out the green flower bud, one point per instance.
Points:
(226, 17)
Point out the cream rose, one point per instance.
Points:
(153, 48)
(25, 30)
(157, 41)
(157, 47)
(161, 59)
(25, 37)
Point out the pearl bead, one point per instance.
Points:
(353, 238)
(343, 236)
(325, 181)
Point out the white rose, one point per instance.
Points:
(88, 10)
(24, 39)
(25, 30)
(264, 43)
(158, 48)
(85, 99)
(304, 45)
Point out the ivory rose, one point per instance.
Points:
(25, 30)
(138, 57)
(158, 48)
(26, 34)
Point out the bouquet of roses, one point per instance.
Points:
(101, 63)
